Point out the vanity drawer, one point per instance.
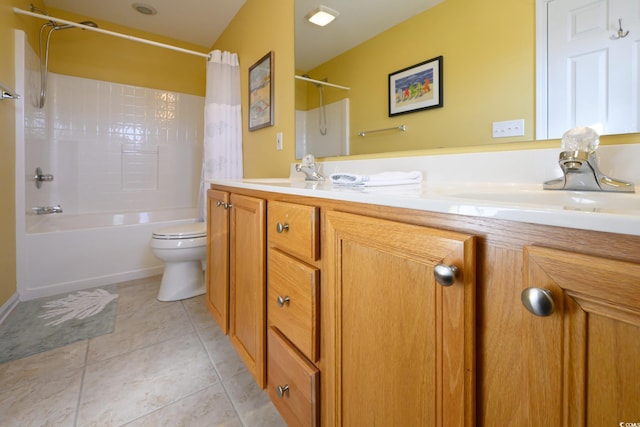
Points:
(294, 228)
(293, 383)
(292, 301)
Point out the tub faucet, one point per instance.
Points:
(309, 168)
(44, 210)
(581, 173)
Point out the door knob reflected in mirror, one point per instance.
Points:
(538, 301)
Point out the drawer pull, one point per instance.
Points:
(445, 274)
(280, 227)
(282, 390)
(283, 300)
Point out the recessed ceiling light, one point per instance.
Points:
(322, 15)
(144, 9)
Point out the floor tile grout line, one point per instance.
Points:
(215, 368)
(84, 372)
(166, 405)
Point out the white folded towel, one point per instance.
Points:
(376, 180)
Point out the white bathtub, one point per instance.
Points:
(66, 252)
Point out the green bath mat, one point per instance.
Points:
(47, 323)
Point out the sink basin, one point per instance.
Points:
(575, 200)
(267, 180)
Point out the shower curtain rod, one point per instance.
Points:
(111, 33)
(307, 79)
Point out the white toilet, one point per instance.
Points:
(183, 248)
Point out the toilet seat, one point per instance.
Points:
(183, 231)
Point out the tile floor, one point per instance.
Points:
(165, 364)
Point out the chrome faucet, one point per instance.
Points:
(44, 210)
(309, 168)
(581, 173)
(579, 164)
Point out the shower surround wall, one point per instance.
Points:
(115, 151)
(113, 147)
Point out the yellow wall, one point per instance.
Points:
(98, 56)
(7, 156)
(92, 55)
(489, 75)
(259, 27)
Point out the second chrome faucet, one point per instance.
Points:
(310, 168)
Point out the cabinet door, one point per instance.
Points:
(247, 316)
(218, 257)
(583, 362)
(399, 346)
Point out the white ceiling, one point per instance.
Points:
(202, 21)
(195, 21)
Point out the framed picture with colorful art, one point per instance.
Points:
(261, 93)
(416, 88)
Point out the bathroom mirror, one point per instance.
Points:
(489, 70)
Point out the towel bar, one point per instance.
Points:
(403, 128)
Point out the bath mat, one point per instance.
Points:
(47, 323)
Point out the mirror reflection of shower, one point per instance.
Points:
(322, 130)
(322, 116)
(47, 29)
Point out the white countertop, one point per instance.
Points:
(483, 188)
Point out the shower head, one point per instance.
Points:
(90, 24)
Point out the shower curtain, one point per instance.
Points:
(222, 157)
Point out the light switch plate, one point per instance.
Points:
(508, 128)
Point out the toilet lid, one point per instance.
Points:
(182, 231)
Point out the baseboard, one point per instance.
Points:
(8, 307)
(92, 282)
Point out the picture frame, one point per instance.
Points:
(261, 93)
(416, 88)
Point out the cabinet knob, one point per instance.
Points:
(282, 390)
(445, 274)
(219, 203)
(283, 300)
(280, 227)
(538, 301)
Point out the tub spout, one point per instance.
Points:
(44, 210)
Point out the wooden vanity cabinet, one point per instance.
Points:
(583, 353)
(389, 346)
(293, 305)
(218, 257)
(399, 346)
(237, 228)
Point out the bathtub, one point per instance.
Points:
(69, 252)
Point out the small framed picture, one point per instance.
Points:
(261, 93)
(416, 88)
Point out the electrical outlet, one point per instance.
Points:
(508, 128)
(279, 141)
